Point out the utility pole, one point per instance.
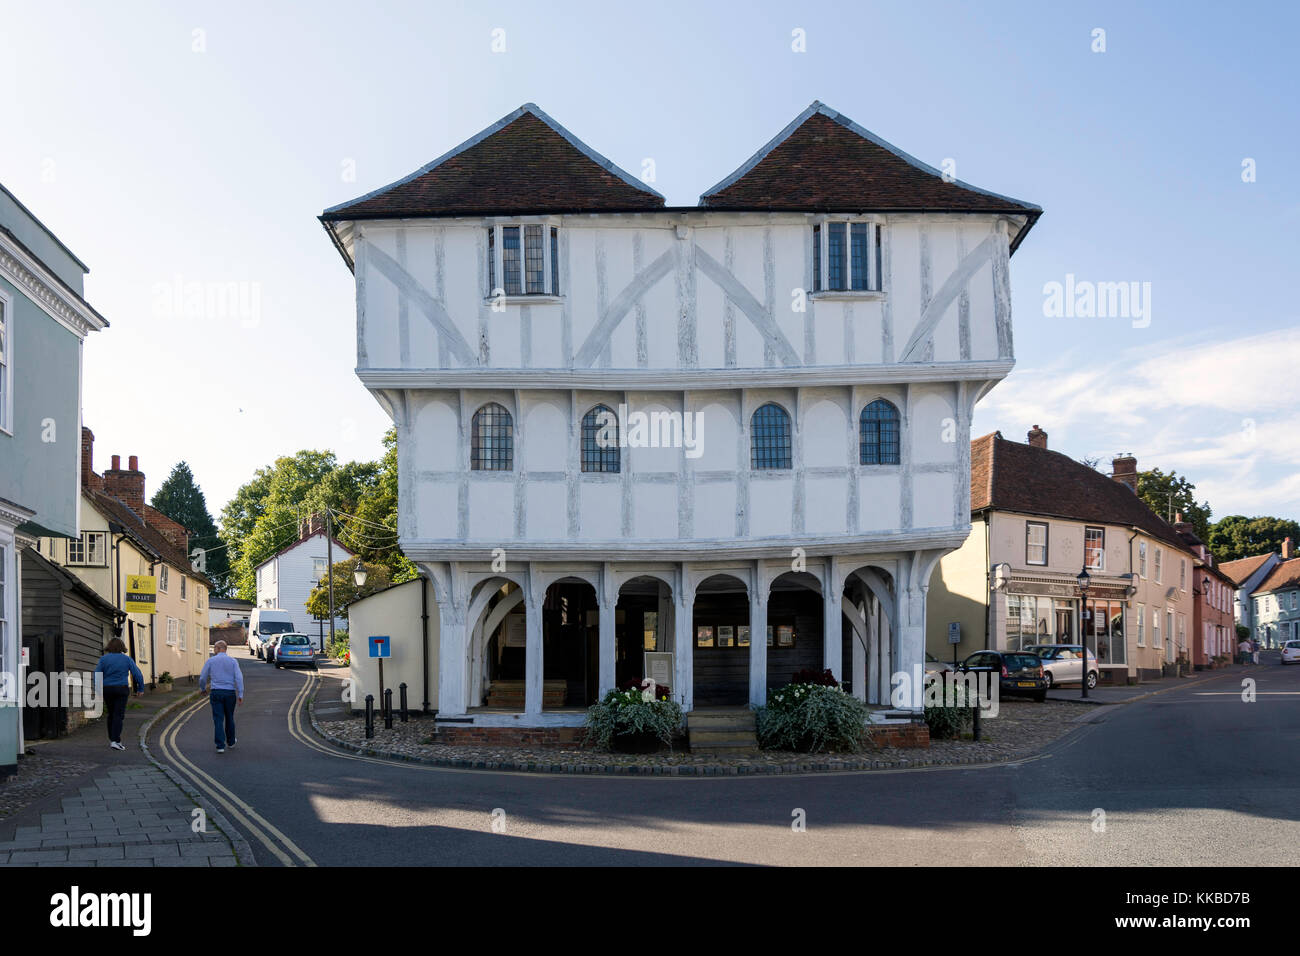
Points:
(329, 567)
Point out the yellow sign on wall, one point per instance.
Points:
(141, 593)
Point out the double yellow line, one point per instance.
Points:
(265, 832)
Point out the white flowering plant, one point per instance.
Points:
(811, 717)
(642, 710)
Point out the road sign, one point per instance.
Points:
(954, 632)
(141, 594)
(381, 647)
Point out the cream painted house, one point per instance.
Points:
(122, 536)
(720, 443)
(1038, 519)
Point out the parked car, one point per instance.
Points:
(1063, 663)
(293, 650)
(935, 666)
(264, 624)
(1291, 652)
(1020, 673)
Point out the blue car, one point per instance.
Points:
(293, 650)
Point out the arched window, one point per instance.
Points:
(492, 440)
(878, 434)
(769, 438)
(600, 440)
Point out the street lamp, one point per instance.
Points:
(1085, 581)
(359, 573)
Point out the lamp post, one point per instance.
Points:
(1085, 581)
(359, 573)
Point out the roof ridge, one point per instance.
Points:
(818, 107)
(527, 108)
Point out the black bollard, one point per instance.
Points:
(405, 716)
(370, 716)
(388, 709)
(975, 716)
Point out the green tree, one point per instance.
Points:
(1236, 536)
(372, 533)
(345, 587)
(180, 498)
(1167, 495)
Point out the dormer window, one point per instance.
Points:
(846, 256)
(523, 259)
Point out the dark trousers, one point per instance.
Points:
(115, 699)
(223, 716)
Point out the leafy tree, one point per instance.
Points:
(1169, 494)
(345, 587)
(1237, 536)
(373, 534)
(180, 498)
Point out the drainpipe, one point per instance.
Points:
(988, 584)
(153, 629)
(424, 643)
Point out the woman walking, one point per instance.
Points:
(117, 667)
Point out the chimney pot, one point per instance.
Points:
(1037, 437)
(133, 464)
(117, 462)
(1288, 549)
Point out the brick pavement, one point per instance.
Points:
(134, 816)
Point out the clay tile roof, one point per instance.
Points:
(1010, 476)
(824, 161)
(524, 163)
(1243, 568)
(153, 539)
(1285, 575)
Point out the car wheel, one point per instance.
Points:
(1092, 679)
(1047, 676)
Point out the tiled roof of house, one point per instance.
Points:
(825, 161)
(1285, 575)
(524, 163)
(1243, 568)
(1010, 476)
(152, 538)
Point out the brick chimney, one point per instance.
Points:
(1124, 469)
(1037, 437)
(1288, 549)
(88, 477)
(126, 485)
(1181, 526)
(313, 524)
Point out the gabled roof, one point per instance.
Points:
(1010, 476)
(1243, 568)
(523, 163)
(303, 540)
(1285, 575)
(823, 161)
(152, 540)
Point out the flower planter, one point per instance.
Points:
(165, 688)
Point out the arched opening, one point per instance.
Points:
(720, 642)
(795, 631)
(499, 637)
(570, 645)
(868, 606)
(642, 625)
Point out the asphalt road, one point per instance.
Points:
(1192, 776)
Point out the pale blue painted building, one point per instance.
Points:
(44, 320)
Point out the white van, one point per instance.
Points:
(264, 625)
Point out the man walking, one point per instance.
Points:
(223, 681)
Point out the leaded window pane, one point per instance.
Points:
(510, 259)
(534, 260)
(836, 279)
(492, 441)
(600, 452)
(770, 438)
(879, 434)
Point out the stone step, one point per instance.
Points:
(722, 738)
(743, 721)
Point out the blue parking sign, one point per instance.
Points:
(381, 646)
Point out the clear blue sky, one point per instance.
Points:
(155, 162)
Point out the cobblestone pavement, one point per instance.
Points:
(40, 776)
(132, 817)
(1021, 729)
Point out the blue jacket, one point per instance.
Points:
(116, 668)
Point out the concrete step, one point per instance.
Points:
(720, 738)
(743, 721)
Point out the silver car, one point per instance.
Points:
(1063, 664)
